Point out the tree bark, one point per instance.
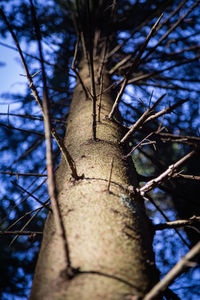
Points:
(109, 235)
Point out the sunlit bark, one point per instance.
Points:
(109, 236)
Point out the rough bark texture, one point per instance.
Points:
(109, 236)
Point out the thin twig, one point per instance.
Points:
(154, 73)
(119, 64)
(25, 215)
(32, 117)
(152, 32)
(191, 177)
(171, 29)
(166, 110)
(176, 136)
(18, 232)
(11, 173)
(140, 143)
(49, 155)
(102, 63)
(22, 130)
(73, 67)
(100, 99)
(27, 54)
(176, 271)
(170, 16)
(32, 86)
(31, 195)
(148, 198)
(133, 67)
(92, 78)
(145, 22)
(167, 87)
(110, 175)
(26, 224)
(24, 199)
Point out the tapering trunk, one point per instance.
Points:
(109, 235)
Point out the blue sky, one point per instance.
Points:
(10, 78)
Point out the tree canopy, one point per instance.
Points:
(151, 49)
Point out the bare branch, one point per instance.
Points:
(172, 14)
(22, 130)
(167, 87)
(165, 175)
(100, 99)
(178, 223)
(154, 73)
(73, 67)
(11, 173)
(140, 143)
(175, 136)
(24, 199)
(26, 224)
(115, 105)
(141, 120)
(119, 64)
(32, 117)
(31, 195)
(66, 155)
(18, 232)
(27, 54)
(49, 155)
(134, 66)
(166, 110)
(191, 177)
(171, 29)
(148, 198)
(176, 271)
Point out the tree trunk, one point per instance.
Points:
(109, 235)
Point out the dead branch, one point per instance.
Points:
(69, 160)
(141, 120)
(190, 177)
(32, 117)
(31, 195)
(165, 175)
(18, 232)
(176, 271)
(119, 64)
(134, 66)
(154, 73)
(31, 84)
(115, 105)
(17, 174)
(73, 67)
(49, 154)
(24, 199)
(166, 110)
(175, 136)
(148, 198)
(26, 224)
(178, 223)
(139, 144)
(171, 29)
(22, 130)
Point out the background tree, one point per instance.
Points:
(147, 55)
